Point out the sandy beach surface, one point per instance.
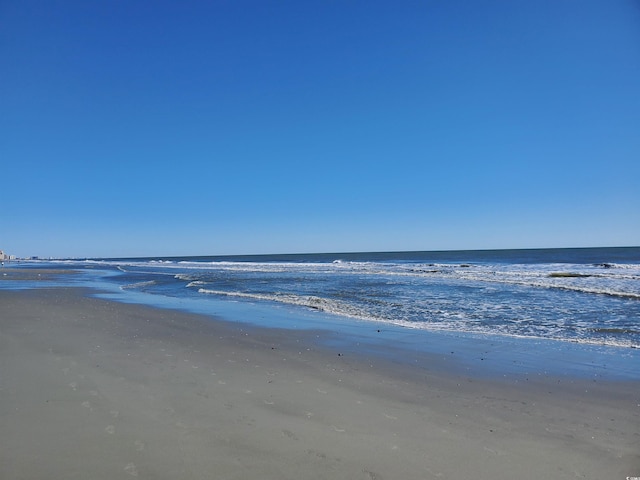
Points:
(94, 389)
(12, 274)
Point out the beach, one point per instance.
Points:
(96, 389)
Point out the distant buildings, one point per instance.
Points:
(4, 256)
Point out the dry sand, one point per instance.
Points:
(93, 389)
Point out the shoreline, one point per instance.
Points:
(486, 355)
(93, 387)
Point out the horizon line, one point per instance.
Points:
(353, 252)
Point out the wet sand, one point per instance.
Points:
(91, 388)
(32, 274)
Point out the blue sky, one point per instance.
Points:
(237, 127)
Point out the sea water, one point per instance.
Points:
(586, 296)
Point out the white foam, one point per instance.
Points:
(138, 285)
(309, 301)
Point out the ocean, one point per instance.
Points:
(588, 296)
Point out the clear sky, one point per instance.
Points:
(155, 127)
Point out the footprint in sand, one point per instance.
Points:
(371, 475)
(73, 385)
(290, 434)
(131, 469)
(168, 411)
